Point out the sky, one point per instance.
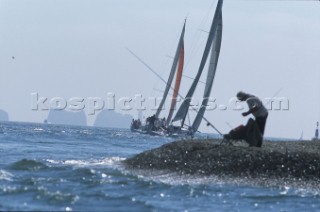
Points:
(77, 48)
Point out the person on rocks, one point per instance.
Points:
(254, 130)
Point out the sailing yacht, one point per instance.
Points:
(170, 127)
(155, 125)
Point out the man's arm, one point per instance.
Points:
(252, 110)
(254, 105)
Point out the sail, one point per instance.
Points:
(183, 110)
(177, 85)
(215, 51)
(172, 72)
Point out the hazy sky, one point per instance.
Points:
(76, 48)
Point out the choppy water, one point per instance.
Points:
(63, 168)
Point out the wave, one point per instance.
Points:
(38, 129)
(28, 165)
(109, 161)
(4, 175)
(56, 196)
(93, 172)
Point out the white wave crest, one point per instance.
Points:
(4, 175)
(109, 161)
(38, 129)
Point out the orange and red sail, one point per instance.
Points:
(177, 84)
(179, 55)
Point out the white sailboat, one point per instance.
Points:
(154, 123)
(213, 44)
(212, 47)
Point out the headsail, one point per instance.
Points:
(183, 110)
(177, 85)
(215, 51)
(172, 72)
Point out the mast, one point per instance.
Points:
(215, 52)
(172, 72)
(316, 134)
(183, 110)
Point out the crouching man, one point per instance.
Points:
(254, 130)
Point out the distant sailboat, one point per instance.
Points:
(213, 46)
(316, 134)
(179, 57)
(301, 136)
(213, 43)
(177, 68)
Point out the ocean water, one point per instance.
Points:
(68, 168)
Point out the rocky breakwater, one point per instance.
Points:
(294, 160)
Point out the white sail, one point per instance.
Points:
(172, 72)
(183, 110)
(215, 51)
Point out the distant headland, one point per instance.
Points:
(4, 116)
(111, 119)
(66, 117)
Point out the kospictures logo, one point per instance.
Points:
(140, 103)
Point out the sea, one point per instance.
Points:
(46, 167)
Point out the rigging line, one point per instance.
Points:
(275, 94)
(147, 66)
(193, 79)
(196, 37)
(163, 64)
(185, 125)
(202, 30)
(229, 125)
(195, 48)
(153, 71)
(161, 91)
(209, 123)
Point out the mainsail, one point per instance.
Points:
(173, 70)
(183, 110)
(215, 51)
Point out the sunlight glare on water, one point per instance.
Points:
(64, 168)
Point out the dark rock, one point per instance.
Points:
(298, 160)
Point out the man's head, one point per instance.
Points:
(242, 96)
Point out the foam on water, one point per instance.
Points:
(5, 175)
(109, 161)
(38, 129)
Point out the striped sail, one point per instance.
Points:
(183, 110)
(172, 72)
(215, 51)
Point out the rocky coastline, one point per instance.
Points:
(298, 160)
